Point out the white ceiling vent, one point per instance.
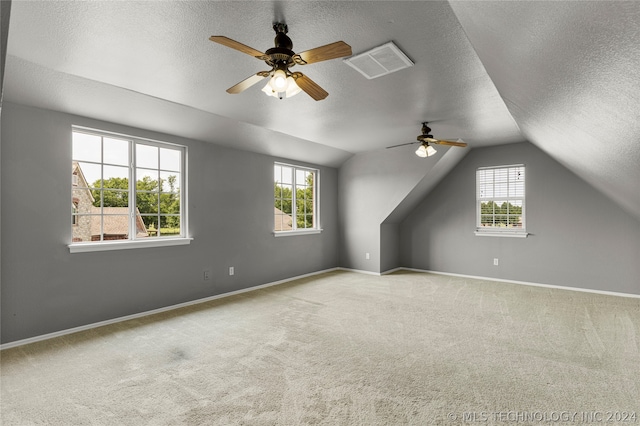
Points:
(380, 61)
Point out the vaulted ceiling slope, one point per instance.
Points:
(566, 74)
(569, 73)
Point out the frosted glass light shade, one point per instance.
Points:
(425, 151)
(291, 90)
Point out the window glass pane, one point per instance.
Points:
(147, 202)
(114, 226)
(116, 177)
(169, 204)
(287, 175)
(300, 177)
(487, 207)
(150, 224)
(169, 226)
(170, 182)
(141, 230)
(116, 151)
(91, 172)
(116, 198)
(308, 221)
(301, 192)
(170, 159)
(82, 199)
(86, 227)
(277, 174)
(287, 206)
(514, 222)
(515, 206)
(147, 180)
(86, 147)
(486, 220)
(146, 156)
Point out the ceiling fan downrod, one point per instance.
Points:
(426, 130)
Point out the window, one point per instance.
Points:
(500, 199)
(125, 188)
(296, 199)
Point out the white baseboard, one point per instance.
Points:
(378, 274)
(258, 287)
(153, 311)
(586, 290)
(360, 271)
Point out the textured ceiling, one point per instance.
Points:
(569, 73)
(565, 73)
(161, 49)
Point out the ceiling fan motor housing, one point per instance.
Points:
(280, 55)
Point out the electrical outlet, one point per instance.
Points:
(495, 261)
(231, 270)
(366, 256)
(206, 275)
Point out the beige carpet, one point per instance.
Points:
(344, 348)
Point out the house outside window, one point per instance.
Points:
(295, 200)
(500, 200)
(125, 188)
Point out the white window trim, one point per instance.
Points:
(497, 232)
(86, 247)
(512, 234)
(316, 204)
(296, 232)
(127, 244)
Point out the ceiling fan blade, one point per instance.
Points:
(338, 49)
(309, 86)
(226, 41)
(248, 82)
(459, 142)
(402, 144)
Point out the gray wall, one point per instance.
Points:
(389, 246)
(579, 237)
(47, 289)
(371, 186)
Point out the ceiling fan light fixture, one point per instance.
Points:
(279, 81)
(291, 90)
(425, 150)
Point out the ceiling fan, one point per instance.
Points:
(426, 150)
(283, 82)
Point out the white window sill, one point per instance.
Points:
(293, 233)
(512, 234)
(124, 245)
